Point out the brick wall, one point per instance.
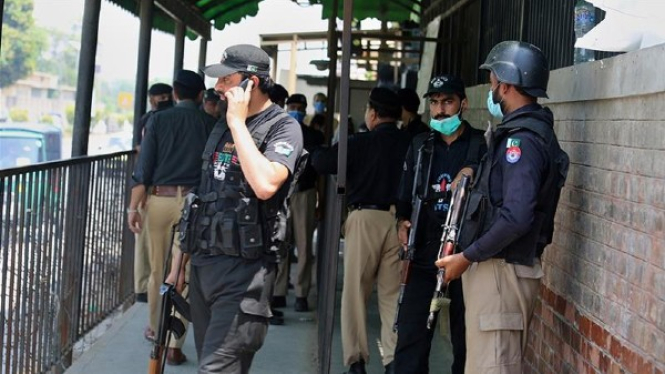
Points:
(602, 302)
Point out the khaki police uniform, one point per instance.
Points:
(371, 247)
(169, 166)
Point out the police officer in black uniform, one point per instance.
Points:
(371, 253)
(510, 215)
(233, 230)
(166, 171)
(302, 219)
(412, 122)
(159, 97)
(457, 148)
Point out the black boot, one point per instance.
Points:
(357, 368)
(301, 304)
(390, 368)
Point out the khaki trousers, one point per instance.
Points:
(371, 255)
(141, 260)
(162, 214)
(302, 224)
(499, 299)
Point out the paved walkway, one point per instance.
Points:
(288, 349)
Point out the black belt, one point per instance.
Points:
(384, 207)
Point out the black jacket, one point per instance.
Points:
(522, 177)
(374, 165)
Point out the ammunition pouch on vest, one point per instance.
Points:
(480, 214)
(227, 218)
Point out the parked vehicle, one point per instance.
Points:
(24, 144)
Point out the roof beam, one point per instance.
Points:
(183, 12)
(277, 38)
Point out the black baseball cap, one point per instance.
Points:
(297, 99)
(446, 83)
(190, 79)
(211, 95)
(240, 58)
(160, 89)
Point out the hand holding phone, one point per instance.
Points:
(238, 102)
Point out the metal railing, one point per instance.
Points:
(66, 256)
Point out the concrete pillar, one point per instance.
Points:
(143, 64)
(179, 54)
(86, 77)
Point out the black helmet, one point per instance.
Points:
(521, 64)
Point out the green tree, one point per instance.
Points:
(61, 56)
(22, 42)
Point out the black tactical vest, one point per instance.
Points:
(480, 213)
(227, 218)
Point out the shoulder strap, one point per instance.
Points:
(213, 139)
(427, 148)
(474, 146)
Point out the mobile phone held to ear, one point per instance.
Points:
(244, 83)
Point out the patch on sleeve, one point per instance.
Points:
(283, 148)
(512, 142)
(513, 154)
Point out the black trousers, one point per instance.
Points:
(414, 340)
(229, 307)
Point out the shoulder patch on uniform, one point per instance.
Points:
(283, 148)
(513, 154)
(513, 142)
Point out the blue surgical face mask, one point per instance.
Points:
(297, 115)
(494, 108)
(446, 126)
(319, 107)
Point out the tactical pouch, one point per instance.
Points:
(187, 225)
(251, 241)
(223, 234)
(249, 214)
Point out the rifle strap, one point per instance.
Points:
(426, 148)
(474, 147)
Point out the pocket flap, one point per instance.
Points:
(529, 272)
(501, 321)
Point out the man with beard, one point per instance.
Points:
(510, 216)
(235, 232)
(455, 148)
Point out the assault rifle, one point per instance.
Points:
(417, 203)
(168, 322)
(451, 229)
